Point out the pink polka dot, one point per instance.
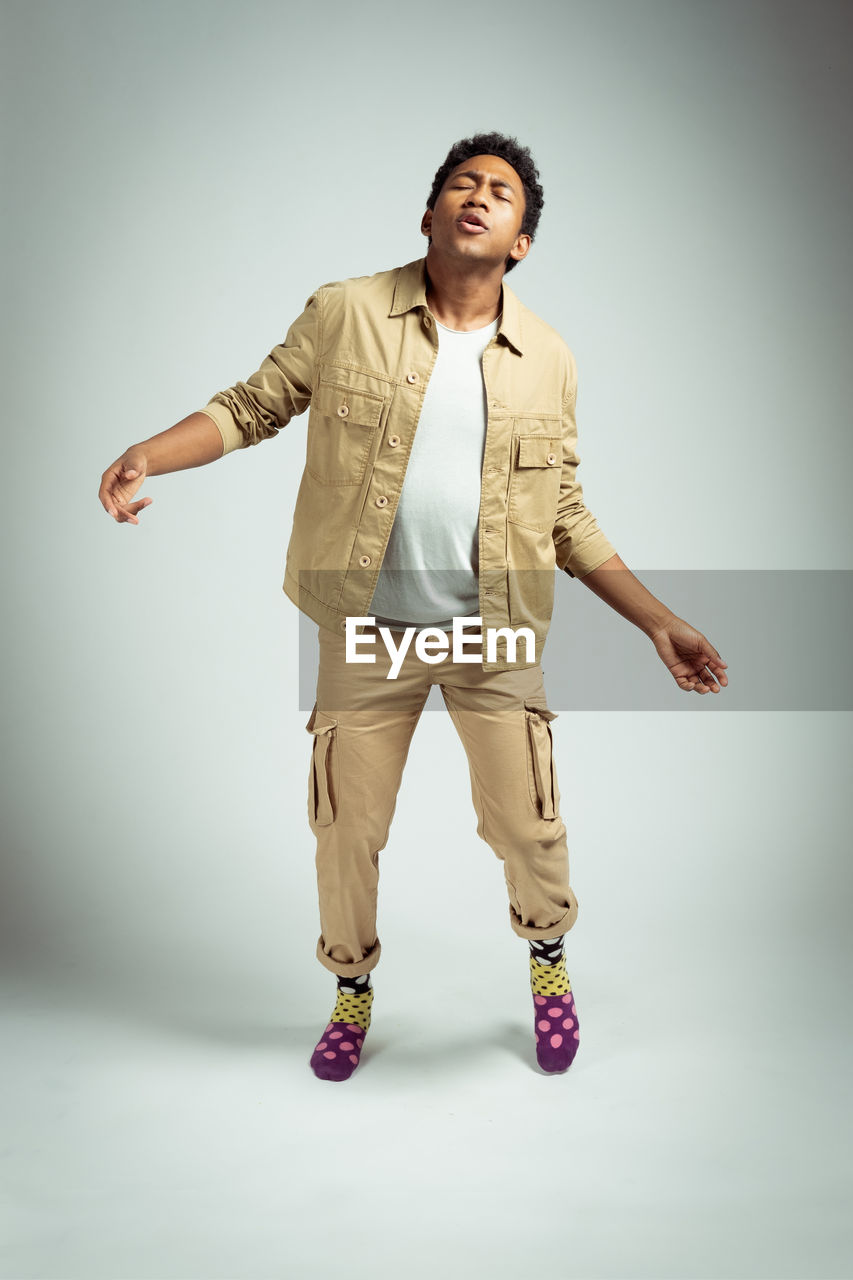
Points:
(322, 1044)
(556, 1041)
(329, 1054)
(567, 997)
(353, 1057)
(329, 1026)
(544, 1026)
(539, 1000)
(336, 1035)
(360, 1041)
(554, 1013)
(353, 1027)
(345, 1044)
(568, 1022)
(576, 1034)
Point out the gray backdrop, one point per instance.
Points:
(178, 178)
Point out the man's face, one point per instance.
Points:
(478, 213)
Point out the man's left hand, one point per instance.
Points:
(694, 662)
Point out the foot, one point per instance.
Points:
(338, 1050)
(555, 1016)
(557, 1033)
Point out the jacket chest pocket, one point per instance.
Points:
(341, 427)
(534, 488)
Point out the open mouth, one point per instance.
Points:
(471, 222)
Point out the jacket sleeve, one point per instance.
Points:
(580, 544)
(281, 389)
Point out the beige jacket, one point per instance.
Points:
(361, 355)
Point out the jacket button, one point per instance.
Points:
(427, 322)
(393, 441)
(343, 410)
(552, 458)
(382, 502)
(364, 561)
(343, 624)
(411, 377)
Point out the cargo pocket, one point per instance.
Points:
(541, 775)
(323, 774)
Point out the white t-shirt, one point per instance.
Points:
(429, 574)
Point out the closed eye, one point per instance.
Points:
(459, 186)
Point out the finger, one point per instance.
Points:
(716, 671)
(115, 508)
(692, 684)
(708, 680)
(126, 516)
(126, 512)
(712, 657)
(106, 496)
(698, 667)
(133, 508)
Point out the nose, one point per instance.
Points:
(477, 197)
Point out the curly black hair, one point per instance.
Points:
(509, 149)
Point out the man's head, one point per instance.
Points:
(488, 179)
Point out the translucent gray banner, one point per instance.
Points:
(785, 635)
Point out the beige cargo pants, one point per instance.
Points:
(362, 726)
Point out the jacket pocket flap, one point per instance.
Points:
(538, 451)
(540, 711)
(334, 400)
(319, 722)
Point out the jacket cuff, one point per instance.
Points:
(232, 436)
(590, 556)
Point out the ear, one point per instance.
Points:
(521, 248)
(426, 223)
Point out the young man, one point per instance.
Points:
(439, 488)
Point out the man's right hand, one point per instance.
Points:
(192, 442)
(120, 482)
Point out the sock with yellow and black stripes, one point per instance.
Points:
(556, 1018)
(337, 1053)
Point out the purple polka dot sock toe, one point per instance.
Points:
(555, 1016)
(338, 1050)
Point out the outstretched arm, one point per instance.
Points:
(242, 415)
(693, 661)
(192, 442)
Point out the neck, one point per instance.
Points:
(463, 300)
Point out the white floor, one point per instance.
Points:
(158, 1139)
(161, 1000)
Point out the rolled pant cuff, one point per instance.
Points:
(353, 970)
(555, 930)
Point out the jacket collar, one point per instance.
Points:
(410, 292)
